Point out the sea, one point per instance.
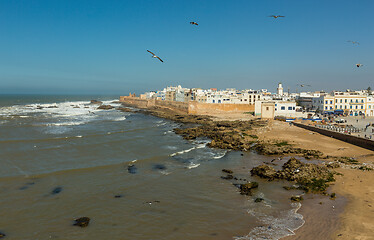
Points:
(62, 158)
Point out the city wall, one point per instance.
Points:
(214, 108)
(361, 142)
(191, 107)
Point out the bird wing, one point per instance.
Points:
(272, 16)
(280, 16)
(160, 59)
(151, 52)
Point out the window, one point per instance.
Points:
(362, 100)
(289, 108)
(283, 108)
(326, 102)
(275, 104)
(350, 107)
(330, 108)
(341, 107)
(345, 107)
(293, 108)
(345, 100)
(356, 107)
(330, 101)
(326, 108)
(356, 100)
(336, 106)
(336, 100)
(351, 100)
(362, 107)
(275, 109)
(267, 108)
(341, 100)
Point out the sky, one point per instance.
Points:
(100, 46)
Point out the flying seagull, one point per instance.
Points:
(154, 55)
(354, 42)
(359, 65)
(194, 23)
(303, 85)
(276, 16)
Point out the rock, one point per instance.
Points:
(310, 177)
(264, 171)
(332, 196)
(52, 106)
(2, 235)
(159, 167)
(228, 177)
(105, 107)
(125, 109)
(227, 171)
(246, 188)
(132, 169)
(297, 198)
(57, 190)
(118, 196)
(96, 102)
(82, 222)
(257, 200)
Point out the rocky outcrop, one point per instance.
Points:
(125, 109)
(281, 148)
(96, 102)
(105, 107)
(246, 188)
(82, 222)
(264, 171)
(309, 177)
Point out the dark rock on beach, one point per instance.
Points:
(257, 200)
(227, 171)
(57, 190)
(118, 196)
(228, 177)
(82, 222)
(132, 169)
(246, 188)
(2, 235)
(297, 198)
(159, 167)
(310, 177)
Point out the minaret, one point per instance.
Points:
(280, 89)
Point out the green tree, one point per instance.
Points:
(369, 90)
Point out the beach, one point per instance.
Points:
(356, 220)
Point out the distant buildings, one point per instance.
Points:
(287, 104)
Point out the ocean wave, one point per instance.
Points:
(275, 227)
(193, 165)
(70, 123)
(119, 119)
(188, 150)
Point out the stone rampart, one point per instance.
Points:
(361, 142)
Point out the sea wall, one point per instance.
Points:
(214, 108)
(361, 142)
(191, 107)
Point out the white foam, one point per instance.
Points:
(119, 119)
(220, 156)
(79, 136)
(193, 165)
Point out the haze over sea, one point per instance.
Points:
(66, 143)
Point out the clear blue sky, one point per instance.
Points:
(97, 46)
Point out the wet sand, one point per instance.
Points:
(356, 220)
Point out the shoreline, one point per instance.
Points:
(338, 225)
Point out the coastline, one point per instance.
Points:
(350, 218)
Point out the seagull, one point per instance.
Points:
(303, 85)
(276, 16)
(154, 55)
(194, 23)
(359, 65)
(354, 42)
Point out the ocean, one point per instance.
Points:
(62, 158)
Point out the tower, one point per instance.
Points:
(280, 89)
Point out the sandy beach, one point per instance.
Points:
(356, 220)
